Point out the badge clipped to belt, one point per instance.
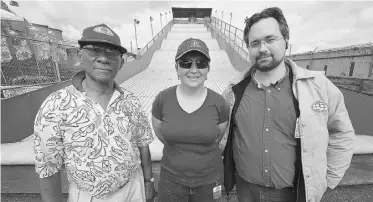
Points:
(216, 192)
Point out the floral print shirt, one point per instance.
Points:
(99, 147)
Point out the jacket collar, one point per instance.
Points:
(298, 73)
(80, 76)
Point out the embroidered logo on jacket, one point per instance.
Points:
(319, 106)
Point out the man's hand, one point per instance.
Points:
(149, 191)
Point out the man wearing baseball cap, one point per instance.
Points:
(97, 129)
(190, 120)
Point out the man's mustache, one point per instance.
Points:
(263, 55)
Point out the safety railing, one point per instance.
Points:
(231, 34)
(167, 27)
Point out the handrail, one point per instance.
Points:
(148, 45)
(232, 35)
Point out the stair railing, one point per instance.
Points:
(166, 28)
(231, 34)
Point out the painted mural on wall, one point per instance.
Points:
(30, 54)
(48, 48)
(5, 52)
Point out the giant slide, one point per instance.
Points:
(159, 75)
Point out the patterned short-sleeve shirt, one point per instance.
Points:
(99, 147)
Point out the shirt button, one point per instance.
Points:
(269, 109)
(266, 171)
(278, 89)
(307, 176)
(266, 150)
(304, 150)
(267, 129)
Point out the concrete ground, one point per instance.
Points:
(20, 184)
(360, 193)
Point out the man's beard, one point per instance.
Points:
(268, 66)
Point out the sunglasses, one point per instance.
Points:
(95, 51)
(187, 64)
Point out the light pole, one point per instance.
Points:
(161, 20)
(134, 23)
(151, 26)
(131, 46)
(222, 15)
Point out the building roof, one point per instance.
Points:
(189, 12)
(357, 46)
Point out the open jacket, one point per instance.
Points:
(326, 134)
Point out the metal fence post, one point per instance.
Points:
(58, 72)
(235, 35)
(352, 67)
(370, 73)
(225, 29)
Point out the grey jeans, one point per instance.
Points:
(248, 192)
(171, 191)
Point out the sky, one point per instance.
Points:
(312, 24)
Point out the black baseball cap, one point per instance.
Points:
(192, 44)
(101, 34)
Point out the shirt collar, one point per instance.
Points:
(80, 76)
(277, 84)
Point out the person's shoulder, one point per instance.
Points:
(167, 92)
(317, 77)
(59, 94)
(215, 95)
(55, 98)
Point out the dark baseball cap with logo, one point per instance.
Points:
(192, 44)
(101, 34)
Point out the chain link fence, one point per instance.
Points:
(31, 64)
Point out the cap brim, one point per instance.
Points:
(83, 42)
(181, 55)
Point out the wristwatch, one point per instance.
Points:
(149, 180)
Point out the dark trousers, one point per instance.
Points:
(171, 191)
(248, 192)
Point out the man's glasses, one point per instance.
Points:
(267, 42)
(187, 64)
(95, 51)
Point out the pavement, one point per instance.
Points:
(363, 193)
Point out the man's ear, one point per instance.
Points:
(79, 58)
(121, 63)
(287, 44)
(80, 54)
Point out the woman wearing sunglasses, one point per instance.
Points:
(190, 120)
